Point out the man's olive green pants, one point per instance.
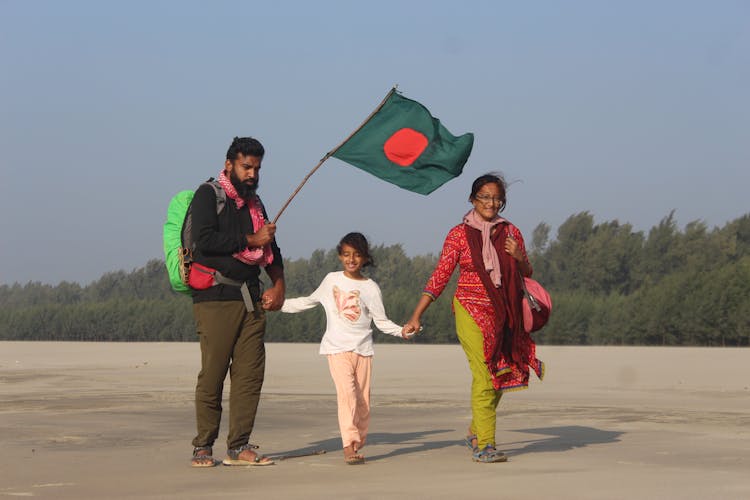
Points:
(231, 339)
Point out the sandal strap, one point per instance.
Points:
(487, 451)
(202, 448)
(468, 440)
(247, 446)
(234, 453)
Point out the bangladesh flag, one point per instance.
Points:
(402, 143)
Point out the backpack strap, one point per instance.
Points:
(220, 279)
(223, 280)
(221, 195)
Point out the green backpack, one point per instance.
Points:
(178, 240)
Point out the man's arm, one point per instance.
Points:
(273, 298)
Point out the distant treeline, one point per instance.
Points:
(609, 285)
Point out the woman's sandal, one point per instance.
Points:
(489, 455)
(233, 457)
(471, 442)
(202, 457)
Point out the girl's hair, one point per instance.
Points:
(358, 242)
(488, 178)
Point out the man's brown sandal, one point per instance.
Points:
(233, 457)
(203, 457)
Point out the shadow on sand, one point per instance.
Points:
(557, 439)
(409, 442)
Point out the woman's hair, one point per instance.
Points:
(488, 178)
(358, 242)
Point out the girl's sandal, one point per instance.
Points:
(355, 459)
(352, 456)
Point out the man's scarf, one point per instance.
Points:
(257, 256)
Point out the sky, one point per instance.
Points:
(627, 110)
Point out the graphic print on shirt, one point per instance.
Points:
(347, 303)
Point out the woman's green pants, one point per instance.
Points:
(484, 397)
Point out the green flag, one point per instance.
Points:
(402, 143)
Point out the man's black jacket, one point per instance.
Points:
(217, 237)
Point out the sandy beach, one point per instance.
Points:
(115, 420)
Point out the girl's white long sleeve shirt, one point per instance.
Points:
(351, 306)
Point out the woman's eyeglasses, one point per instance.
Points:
(489, 200)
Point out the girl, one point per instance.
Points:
(351, 302)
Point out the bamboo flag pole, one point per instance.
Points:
(331, 152)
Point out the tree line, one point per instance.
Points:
(610, 285)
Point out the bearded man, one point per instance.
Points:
(229, 306)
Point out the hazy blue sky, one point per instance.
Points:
(625, 109)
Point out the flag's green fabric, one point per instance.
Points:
(402, 143)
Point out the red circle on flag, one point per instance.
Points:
(405, 146)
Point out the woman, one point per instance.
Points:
(492, 259)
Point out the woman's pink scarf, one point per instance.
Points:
(258, 256)
(489, 254)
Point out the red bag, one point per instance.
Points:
(201, 277)
(536, 304)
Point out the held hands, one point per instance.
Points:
(414, 325)
(272, 299)
(410, 329)
(263, 237)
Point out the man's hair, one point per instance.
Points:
(246, 146)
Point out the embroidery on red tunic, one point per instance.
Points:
(471, 294)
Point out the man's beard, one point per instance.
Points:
(244, 189)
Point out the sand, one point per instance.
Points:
(115, 420)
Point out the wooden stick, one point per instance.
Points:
(331, 153)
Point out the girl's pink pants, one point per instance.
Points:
(351, 374)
